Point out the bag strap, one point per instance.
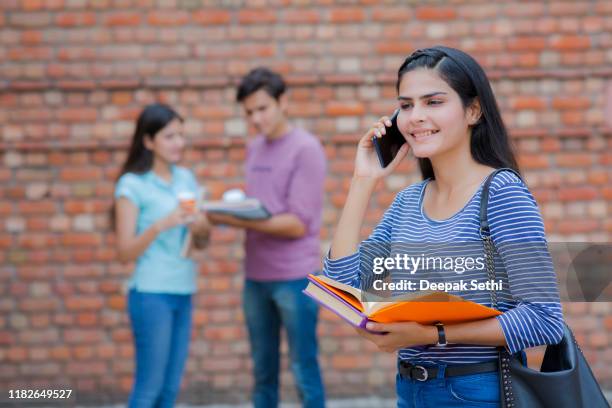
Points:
(484, 201)
(506, 397)
(485, 231)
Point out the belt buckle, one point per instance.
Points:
(425, 373)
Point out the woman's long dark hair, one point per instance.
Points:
(151, 120)
(489, 143)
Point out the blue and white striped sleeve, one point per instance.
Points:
(356, 269)
(518, 233)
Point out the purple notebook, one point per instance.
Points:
(336, 304)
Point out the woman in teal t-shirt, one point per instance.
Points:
(151, 230)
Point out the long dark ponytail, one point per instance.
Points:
(151, 120)
(489, 143)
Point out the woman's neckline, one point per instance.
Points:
(456, 214)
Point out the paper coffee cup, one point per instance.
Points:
(187, 201)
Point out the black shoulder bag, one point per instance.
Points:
(565, 379)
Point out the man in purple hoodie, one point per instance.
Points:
(285, 170)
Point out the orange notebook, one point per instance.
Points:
(425, 307)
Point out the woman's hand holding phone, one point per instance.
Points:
(368, 171)
(367, 163)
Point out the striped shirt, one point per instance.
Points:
(529, 298)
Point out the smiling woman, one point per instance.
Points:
(151, 229)
(451, 122)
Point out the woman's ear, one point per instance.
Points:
(474, 113)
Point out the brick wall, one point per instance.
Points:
(75, 73)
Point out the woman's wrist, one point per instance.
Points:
(364, 182)
(157, 227)
(428, 335)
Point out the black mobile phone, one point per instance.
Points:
(389, 144)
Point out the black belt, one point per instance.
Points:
(422, 373)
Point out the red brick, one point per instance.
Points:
(86, 206)
(577, 193)
(574, 159)
(81, 239)
(346, 15)
(527, 9)
(31, 5)
(37, 207)
(31, 37)
(6, 338)
(117, 302)
(81, 174)
(598, 177)
(82, 114)
(16, 354)
(83, 352)
(560, 8)
(400, 48)
(256, 17)
(301, 16)
(573, 102)
(397, 14)
(120, 335)
(167, 18)
(36, 240)
(577, 226)
(38, 304)
(83, 336)
(533, 161)
(429, 13)
(40, 321)
(524, 102)
(572, 118)
(550, 145)
(345, 109)
(30, 53)
(527, 43)
(87, 319)
(223, 333)
(211, 17)
(347, 361)
(571, 42)
(72, 19)
(122, 19)
(87, 368)
(599, 340)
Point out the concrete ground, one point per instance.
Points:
(368, 402)
(371, 402)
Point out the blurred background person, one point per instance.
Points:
(285, 170)
(152, 229)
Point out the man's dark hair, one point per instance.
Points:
(261, 78)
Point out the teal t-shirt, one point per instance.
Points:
(160, 268)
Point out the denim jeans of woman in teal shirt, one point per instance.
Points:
(159, 300)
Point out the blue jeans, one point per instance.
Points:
(161, 326)
(469, 391)
(267, 306)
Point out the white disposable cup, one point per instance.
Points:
(234, 195)
(188, 203)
